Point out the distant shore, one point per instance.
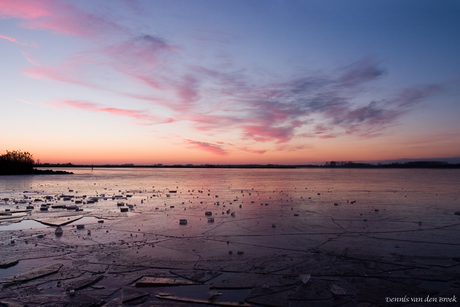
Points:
(331, 164)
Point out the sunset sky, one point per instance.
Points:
(229, 82)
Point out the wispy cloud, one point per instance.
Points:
(409, 96)
(282, 111)
(83, 105)
(290, 148)
(25, 101)
(140, 56)
(141, 59)
(13, 40)
(62, 18)
(253, 151)
(27, 9)
(209, 147)
(140, 115)
(279, 112)
(267, 133)
(365, 70)
(143, 116)
(64, 73)
(215, 101)
(72, 70)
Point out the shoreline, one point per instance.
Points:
(37, 172)
(407, 165)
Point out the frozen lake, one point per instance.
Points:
(406, 197)
(396, 225)
(249, 202)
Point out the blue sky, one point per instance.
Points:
(230, 81)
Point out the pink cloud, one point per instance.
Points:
(206, 122)
(76, 70)
(143, 78)
(267, 133)
(211, 148)
(64, 73)
(13, 40)
(141, 115)
(277, 110)
(29, 59)
(320, 135)
(79, 69)
(154, 100)
(328, 136)
(25, 101)
(143, 58)
(287, 147)
(83, 105)
(27, 9)
(137, 114)
(187, 91)
(254, 151)
(63, 18)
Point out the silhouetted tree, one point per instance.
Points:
(16, 162)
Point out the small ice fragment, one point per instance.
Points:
(304, 278)
(338, 291)
(213, 295)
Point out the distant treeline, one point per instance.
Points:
(410, 164)
(167, 166)
(331, 164)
